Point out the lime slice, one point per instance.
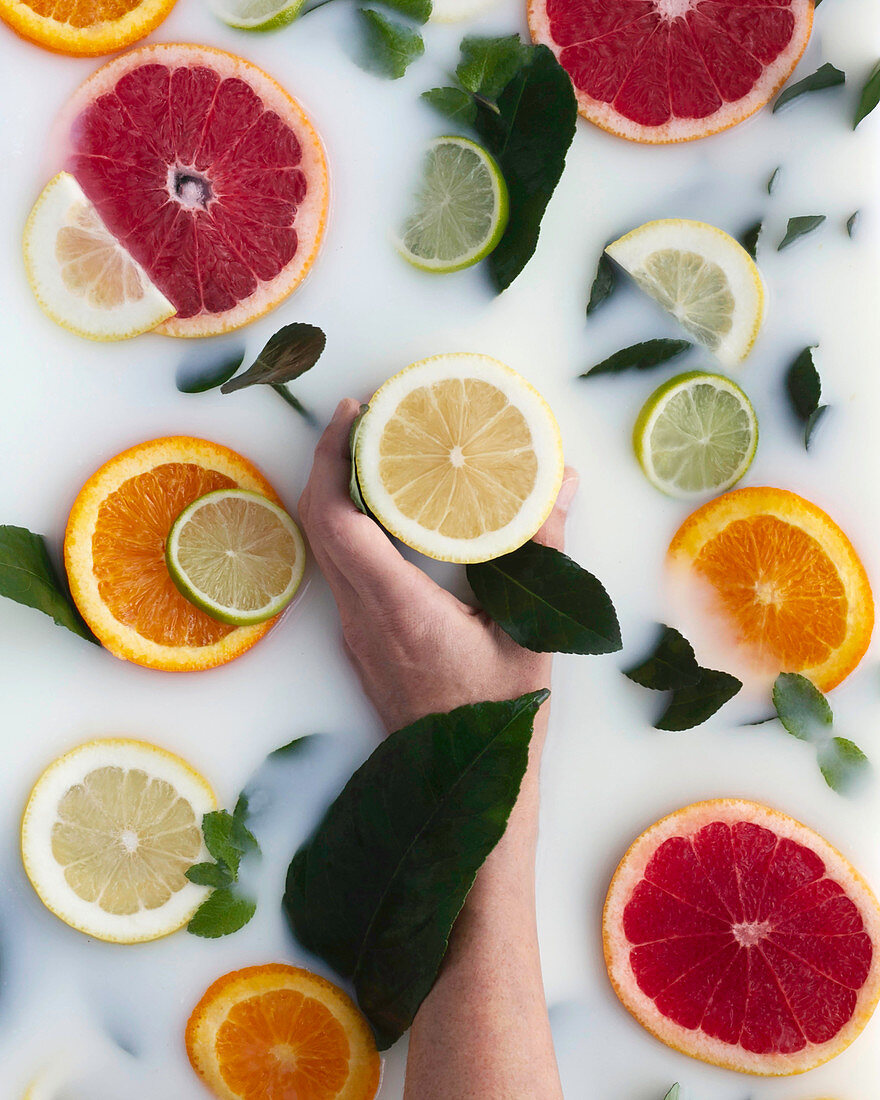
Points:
(236, 555)
(256, 15)
(696, 434)
(460, 208)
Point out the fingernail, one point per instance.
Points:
(566, 492)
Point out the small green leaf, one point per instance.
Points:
(28, 577)
(749, 239)
(453, 103)
(870, 96)
(800, 227)
(209, 874)
(691, 706)
(801, 707)
(389, 47)
(488, 65)
(293, 748)
(842, 763)
(812, 422)
(292, 351)
(774, 180)
(650, 353)
(240, 835)
(217, 829)
(604, 283)
(210, 378)
(417, 10)
(803, 384)
(221, 914)
(852, 224)
(670, 666)
(673, 1093)
(354, 486)
(825, 77)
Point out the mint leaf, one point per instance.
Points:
(453, 103)
(488, 65)
(673, 1093)
(240, 835)
(200, 381)
(377, 889)
(389, 47)
(800, 227)
(870, 96)
(217, 829)
(354, 486)
(650, 353)
(802, 709)
(546, 602)
(292, 351)
(842, 763)
(220, 914)
(672, 664)
(28, 577)
(803, 384)
(209, 874)
(603, 284)
(825, 77)
(774, 180)
(751, 236)
(418, 10)
(691, 705)
(852, 224)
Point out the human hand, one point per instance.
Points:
(417, 649)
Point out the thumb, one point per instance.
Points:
(553, 531)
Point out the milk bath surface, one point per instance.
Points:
(113, 1017)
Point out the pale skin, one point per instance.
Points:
(483, 1031)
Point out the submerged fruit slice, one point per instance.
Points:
(208, 173)
(84, 26)
(784, 577)
(700, 275)
(256, 15)
(107, 835)
(461, 208)
(742, 938)
(673, 70)
(277, 1032)
(81, 276)
(114, 551)
(236, 555)
(459, 457)
(697, 433)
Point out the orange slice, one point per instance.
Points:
(114, 552)
(276, 1032)
(84, 26)
(786, 579)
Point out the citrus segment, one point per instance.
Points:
(673, 70)
(459, 457)
(275, 1032)
(209, 174)
(742, 938)
(256, 15)
(785, 578)
(107, 835)
(114, 552)
(84, 26)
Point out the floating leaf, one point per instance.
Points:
(292, 351)
(488, 65)
(210, 378)
(294, 747)
(852, 224)
(650, 353)
(221, 913)
(749, 239)
(604, 283)
(825, 77)
(842, 763)
(800, 227)
(690, 706)
(774, 180)
(389, 47)
(215, 875)
(671, 665)
(418, 10)
(803, 384)
(217, 829)
(454, 103)
(801, 707)
(673, 1093)
(870, 96)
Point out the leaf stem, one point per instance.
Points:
(283, 391)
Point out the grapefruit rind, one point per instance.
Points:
(696, 1044)
(105, 36)
(120, 639)
(709, 520)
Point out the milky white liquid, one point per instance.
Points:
(115, 1015)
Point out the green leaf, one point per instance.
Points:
(27, 576)
(870, 96)
(774, 180)
(842, 763)
(812, 422)
(417, 10)
(354, 486)
(802, 708)
(389, 47)
(650, 353)
(692, 705)
(292, 351)
(751, 236)
(453, 103)
(827, 76)
(240, 835)
(220, 914)
(604, 283)
(852, 224)
(209, 874)
(488, 65)
(546, 602)
(293, 748)
(217, 829)
(529, 136)
(672, 664)
(803, 384)
(212, 377)
(673, 1093)
(800, 227)
(377, 889)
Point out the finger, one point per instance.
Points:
(553, 531)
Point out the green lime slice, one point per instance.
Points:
(696, 434)
(461, 208)
(236, 555)
(256, 15)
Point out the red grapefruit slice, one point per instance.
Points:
(208, 173)
(740, 937)
(673, 70)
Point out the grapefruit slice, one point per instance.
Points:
(673, 70)
(208, 173)
(742, 938)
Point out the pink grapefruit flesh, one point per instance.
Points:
(208, 173)
(742, 938)
(673, 70)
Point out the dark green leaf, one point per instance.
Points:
(650, 353)
(209, 874)
(354, 486)
(546, 602)
(453, 103)
(603, 284)
(389, 47)
(27, 576)
(691, 706)
(803, 384)
(749, 239)
(842, 763)
(800, 227)
(827, 76)
(240, 835)
(376, 890)
(488, 65)
(672, 664)
(801, 707)
(774, 180)
(210, 378)
(812, 422)
(870, 96)
(292, 351)
(217, 829)
(294, 747)
(418, 10)
(673, 1093)
(852, 224)
(529, 136)
(220, 914)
